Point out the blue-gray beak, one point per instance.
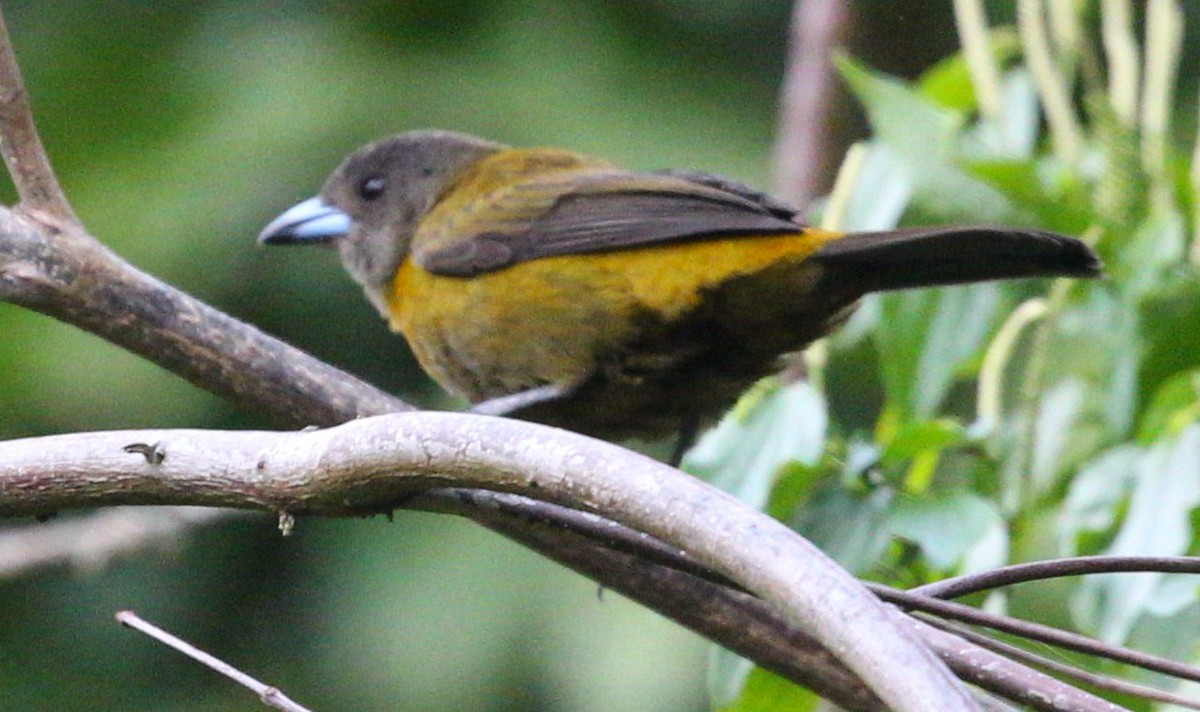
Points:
(312, 222)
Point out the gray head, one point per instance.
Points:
(371, 205)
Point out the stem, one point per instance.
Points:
(1164, 46)
(1121, 49)
(972, 26)
(1051, 87)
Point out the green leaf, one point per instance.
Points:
(771, 426)
(1059, 408)
(1169, 631)
(919, 445)
(919, 436)
(765, 691)
(948, 83)
(1023, 182)
(1155, 247)
(795, 485)
(1094, 340)
(1017, 134)
(946, 527)
(1169, 332)
(1175, 405)
(925, 138)
(925, 336)
(848, 526)
(881, 193)
(877, 201)
(1068, 427)
(728, 674)
(1158, 523)
(899, 115)
(1095, 497)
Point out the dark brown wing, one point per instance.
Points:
(728, 185)
(597, 211)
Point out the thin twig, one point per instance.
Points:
(41, 196)
(1021, 684)
(924, 599)
(1036, 632)
(1102, 682)
(270, 696)
(960, 586)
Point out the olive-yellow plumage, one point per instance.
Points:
(646, 301)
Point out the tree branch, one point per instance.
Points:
(70, 276)
(373, 464)
(270, 696)
(92, 541)
(39, 191)
(744, 624)
(805, 152)
(763, 635)
(1071, 672)
(1011, 575)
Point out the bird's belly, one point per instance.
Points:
(507, 331)
(644, 340)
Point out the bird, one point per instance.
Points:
(557, 287)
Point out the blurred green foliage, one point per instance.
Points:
(179, 129)
(1017, 421)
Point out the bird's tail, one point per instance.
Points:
(933, 256)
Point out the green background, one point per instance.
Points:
(178, 130)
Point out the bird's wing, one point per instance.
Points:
(593, 210)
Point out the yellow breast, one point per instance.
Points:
(550, 320)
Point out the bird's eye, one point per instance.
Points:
(371, 187)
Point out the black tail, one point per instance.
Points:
(932, 256)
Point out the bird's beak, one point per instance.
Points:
(312, 222)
